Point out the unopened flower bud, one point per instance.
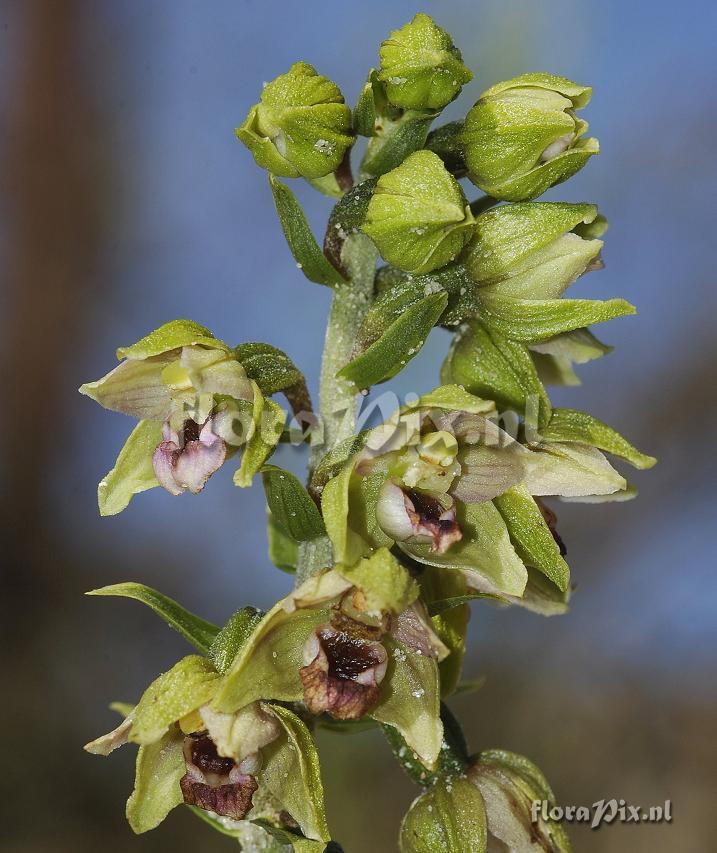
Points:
(418, 217)
(531, 250)
(523, 137)
(301, 127)
(421, 67)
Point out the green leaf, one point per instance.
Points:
(291, 507)
(531, 536)
(197, 631)
(232, 637)
(571, 425)
(448, 818)
(398, 345)
(441, 605)
(346, 218)
(491, 365)
(283, 550)
(389, 147)
(534, 320)
(156, 792)
(269, 367)
(133, 471)
(170, 336)
(410, 701)
(290, 770)
(364, 114)
(188, 685)
(309, 257)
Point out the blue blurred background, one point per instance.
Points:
(127, 201)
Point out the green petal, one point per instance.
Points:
(385, 584)
(531, 536)
(267, 667)
(133, 472)
(268, 418)
(197, 631)
(188, 685)
(571, 425)
(171, 336)
(156, 792)
(448, 818)
(410, 701)
(307, 254)
(290, 770)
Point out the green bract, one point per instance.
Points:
(418, 217)
(421, 67)
(301, 127)
(522, 136)
(196, 406)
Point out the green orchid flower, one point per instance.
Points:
(349, 643)
(522, 136)
(447, 486)
(196, 407)
(257, 764)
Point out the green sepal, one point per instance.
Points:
(385, 584)
(401, 342)
(555, 357)
(571, 425)
(200, 633)
(534, 320)
(158, 769)
(450, 817)
(531, 536)
(173, 335)
(133, 471)
(491, 365)
(231, 638)
(188, 685)
(290, 771)
(291, 507)
(302, 243)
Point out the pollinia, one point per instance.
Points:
(397, 528)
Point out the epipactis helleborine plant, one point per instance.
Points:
(398, 528)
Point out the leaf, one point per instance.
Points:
(156, 792)
(269, 367)
(571, 425)
(388, 149)
(346, 218)
(491, 365)
(197, 631)
(442, 605)
(188, 685)
(534, 320)
(291, 507)
(231, 638)
(364, 114)
(133, 471)
(309, 257)
(283, 550)
(290, 770)
(531, 536)
(398, 345)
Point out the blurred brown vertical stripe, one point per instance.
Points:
(52, 245)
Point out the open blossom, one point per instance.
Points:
(450, 488)
(196, 407)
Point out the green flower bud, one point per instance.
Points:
(301, 127)
(531, 250)
(421, 67)
(516, 797)
(522, 137)
(418, 216)
(447, 818)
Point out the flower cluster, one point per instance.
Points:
(397, 529)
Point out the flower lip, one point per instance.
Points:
(407, 514)
(187, 459)
(204, 755)
(342, 673)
